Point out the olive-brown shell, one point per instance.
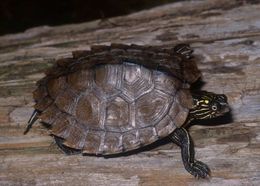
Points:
(115, 99)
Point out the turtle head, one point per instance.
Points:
(208, 105)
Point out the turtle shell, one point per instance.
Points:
(116, 98)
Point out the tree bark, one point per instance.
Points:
(225, 35)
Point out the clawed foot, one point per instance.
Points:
(182, 138)
(199, 169)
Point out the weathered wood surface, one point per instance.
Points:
(226, 37)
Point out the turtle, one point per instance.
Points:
(118, 98)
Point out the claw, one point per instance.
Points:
(31, 121)
(199, 170)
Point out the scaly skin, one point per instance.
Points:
(182, 138)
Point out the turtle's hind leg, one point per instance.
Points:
(182, 138)
(65, 149)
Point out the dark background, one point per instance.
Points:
(18, 15)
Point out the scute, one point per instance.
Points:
(117, 115)
(137, 81)
(151, 108)
(44, 103)
(148, 135)
(164, 126)
(76, 137)
(62, 125)
(180, 108)
(165, 83)
(67, 100)
(108, 79)
(92, 142)
(40, 92)
(113, 143)
(131, 140)
(50, 114)
(81, 80)
(88, 111)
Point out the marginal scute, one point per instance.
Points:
(80, 53)
(165, 83)
(55, 86)
(62, 126)
(130, 140)
(180, 107)
(147, 135)
(165, 126)
(50, 114)
(92, 142)
(65, 61)
(67, 101)
(43, 103)
(76, 138)
(174, 109)
(112, 143)
(40, 92)
(184, 98)
(181, 117)
(191, 72)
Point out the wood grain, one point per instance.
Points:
(225, 35)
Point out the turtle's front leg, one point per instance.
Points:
(182, 138)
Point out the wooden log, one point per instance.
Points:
(225, 35)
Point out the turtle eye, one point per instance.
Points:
(215, 107)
